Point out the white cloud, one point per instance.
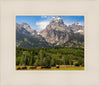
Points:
(42, 25)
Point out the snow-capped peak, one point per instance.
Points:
(57, 18)
(57, 21)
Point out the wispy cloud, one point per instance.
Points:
(42, 25)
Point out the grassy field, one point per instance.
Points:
(68, 67)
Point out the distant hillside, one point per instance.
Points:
(26, 41)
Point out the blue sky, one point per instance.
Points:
(40, 22)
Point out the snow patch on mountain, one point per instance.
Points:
(80, 31)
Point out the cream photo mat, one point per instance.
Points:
(88, 77)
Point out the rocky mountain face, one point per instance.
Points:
(57, 24)
(76, 28)
(28, 38)
(55, 36)
(56, 33)
(24, 28)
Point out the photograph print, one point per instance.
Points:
(49, 43)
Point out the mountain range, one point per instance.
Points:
(56, 33)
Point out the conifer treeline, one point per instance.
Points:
(49, 56)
